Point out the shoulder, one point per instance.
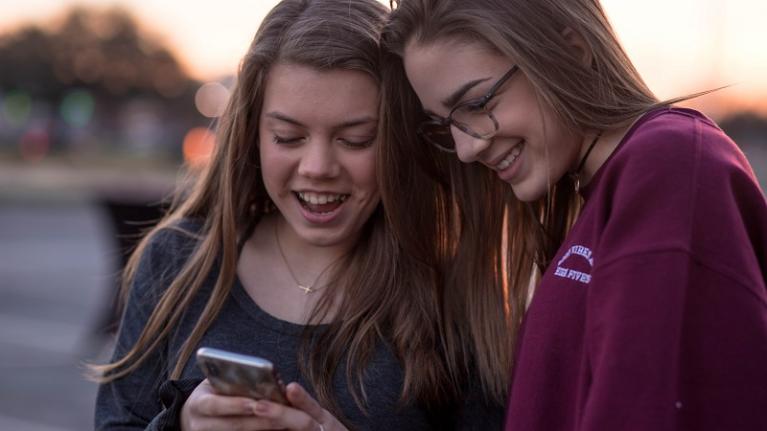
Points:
(165, 251)
(684, 148)
(682, 141)
(679, 182)
(671, 153)
(174, 240)
(177, 233)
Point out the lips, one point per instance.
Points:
(509, 158)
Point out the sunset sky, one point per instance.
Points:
(679, 46)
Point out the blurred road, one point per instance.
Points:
(55, 272)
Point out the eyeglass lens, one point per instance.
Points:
(475, 122)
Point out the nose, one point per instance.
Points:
(468, 148)
(318, 160)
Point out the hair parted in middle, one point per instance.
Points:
(386, 294)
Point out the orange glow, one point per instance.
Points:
(679, 47)
(198, 146)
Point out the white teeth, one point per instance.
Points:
(505, 163)
(321, 198)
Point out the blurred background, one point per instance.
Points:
(106, 105)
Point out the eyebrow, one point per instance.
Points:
(450, 101)
(345, 125)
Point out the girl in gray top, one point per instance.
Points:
(282, 251)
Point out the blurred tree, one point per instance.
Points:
(103, 50)
(120, 84)
(26, 62)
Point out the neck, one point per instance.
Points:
(307, 260)
(605, 147)
(588, 147)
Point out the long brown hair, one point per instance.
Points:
(385, 295)
(487, 240)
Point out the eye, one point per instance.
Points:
(473, 106)
(287, 140)
(357, 143)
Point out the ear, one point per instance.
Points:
(577, 44)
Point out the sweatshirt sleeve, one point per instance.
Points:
(677, 326)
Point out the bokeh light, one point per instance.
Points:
(198, 146)
(211, 99)
(16, 107)
(34, 145)
(77, 108)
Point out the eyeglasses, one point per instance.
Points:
(471, 117)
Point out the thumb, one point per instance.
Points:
(301, 400)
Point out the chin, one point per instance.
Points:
(329, 237)
(320, 239)
(527, 193)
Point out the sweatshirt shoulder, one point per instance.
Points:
(670, 133)
(678, 139)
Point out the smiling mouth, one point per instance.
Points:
(321, 203)
(511, 157)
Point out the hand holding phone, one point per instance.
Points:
(241, 375)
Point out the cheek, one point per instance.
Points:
(363, 173)
(275, 169)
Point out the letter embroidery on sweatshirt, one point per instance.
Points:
(572, 274)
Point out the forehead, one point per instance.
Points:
(436, 69)
(313, 95)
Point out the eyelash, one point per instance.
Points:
(285, 141)
(358, 144)
(488, 105)
(475, 105)
(279, 140)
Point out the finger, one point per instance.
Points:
(285, 417)
(251, 423)
(219, 405)
(209, 403)
(301, 400)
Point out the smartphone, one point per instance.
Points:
(241, 375)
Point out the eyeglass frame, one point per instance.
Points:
(446, 122)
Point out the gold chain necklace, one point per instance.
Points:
(307, 289)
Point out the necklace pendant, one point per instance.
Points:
(307, 289)
(576, 179)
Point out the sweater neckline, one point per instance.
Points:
(265, 319)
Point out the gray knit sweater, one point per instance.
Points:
(146, 399)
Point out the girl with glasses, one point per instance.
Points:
(282, 251)
(629, 236)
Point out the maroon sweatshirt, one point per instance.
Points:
(653, 314)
